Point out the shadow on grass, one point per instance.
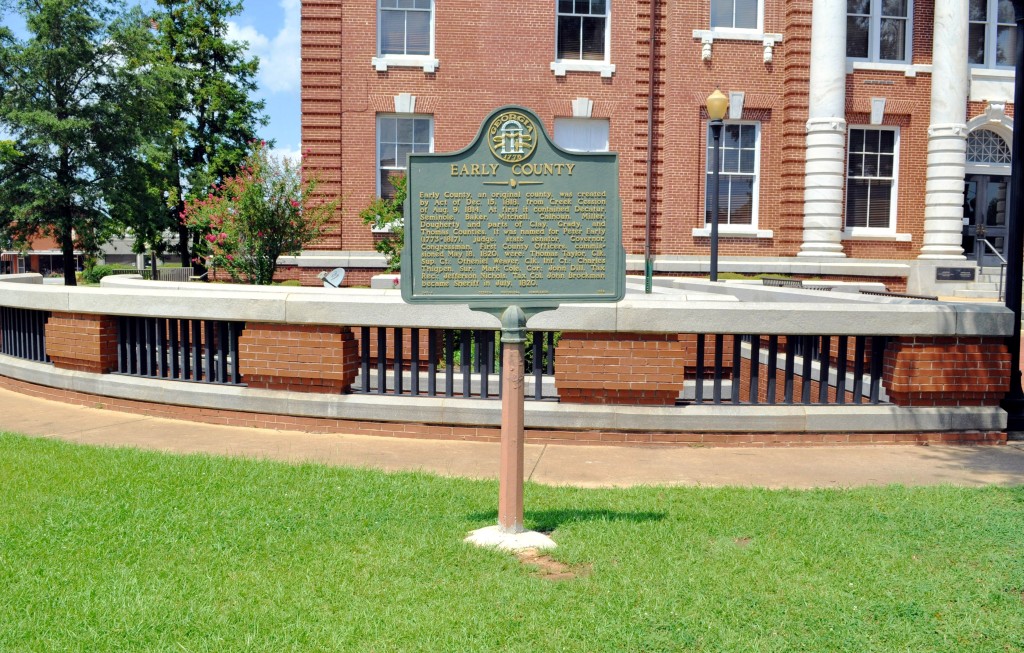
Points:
(548, 520)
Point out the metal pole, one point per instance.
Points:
(716, 149)
(1013, 402)
(510, 477)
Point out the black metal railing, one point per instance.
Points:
(448, 363)
(204, 351)
(23, 333)
(793, 370)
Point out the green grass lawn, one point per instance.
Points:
(122, 550)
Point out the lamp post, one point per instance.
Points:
(1013, 403)
(716, 105)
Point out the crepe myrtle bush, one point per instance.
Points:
(384, 216)
(265, 211)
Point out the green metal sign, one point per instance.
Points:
(513, 219)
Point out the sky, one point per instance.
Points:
(272, 29)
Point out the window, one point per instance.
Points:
(583, 30)
(404, 27)
(871, 179)
(397, 137)
(992, 33)
(878, 30)
(986, 146)
(582, 134)
(737, 179)
(735, 14)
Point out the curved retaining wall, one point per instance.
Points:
(958, 345)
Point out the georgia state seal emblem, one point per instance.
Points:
(512, 136)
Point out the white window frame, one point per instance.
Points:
(427, 62)
(605, 67)
(563, 121)
(874, 30)
(890, 231)
(740, 230)
(378, 168)
(992, 24)
(724, 32)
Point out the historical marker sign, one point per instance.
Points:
(513, 220)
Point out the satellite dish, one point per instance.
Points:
(333, 278)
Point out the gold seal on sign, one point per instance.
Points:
(512, 136)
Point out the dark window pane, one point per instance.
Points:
(730, 161)
(857, 37)
(418, 36)
(857, 203)
(1006, 46)
(392, 32)
(871, 137)
(878, 204)
(421, 131)
(388, 4)
(741, 201)
(892, 41)
(856, 165)
(747, 161)
(568, 38)
(978, 9)
(888, 145)
(748, 136)
(598, 7)
(856, 140)
(858, 6)
(721, 13)
(976, 43)
(582, 7)
(870, 165)
(731, 136)
(565, 6)
(593, 39)
(402, 154)
(885, 165)
(746, 14)
(386, 153)
(388, 129)
(894, 8)
(422, 4)
(405, 4)
(405, 130)
(1005, 11)
(387, 190)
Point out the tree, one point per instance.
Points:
(213, 117)
(265, 211)
(384, 214)
(79, 98)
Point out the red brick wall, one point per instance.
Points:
(302, 358)
(619, 368)
(84, 342)
(965, 371)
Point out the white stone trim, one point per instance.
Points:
(427, 63)
(882, 235)
(908, 70)
(707, 38)
(734, 231)
(560, 68)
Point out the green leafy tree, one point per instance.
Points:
(213, 115)
(265, 211)
(80, 98)
(385, 216)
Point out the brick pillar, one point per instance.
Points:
(301, 358)
(82, 341)
(619, 368)
(953, 371)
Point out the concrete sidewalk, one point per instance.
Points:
(585, 466)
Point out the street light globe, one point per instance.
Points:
(717, 104)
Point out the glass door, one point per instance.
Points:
(985, 205)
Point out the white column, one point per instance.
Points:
(947, 134)
(824, 170)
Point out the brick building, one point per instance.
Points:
(845, 140)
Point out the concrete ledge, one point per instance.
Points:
(539, 415)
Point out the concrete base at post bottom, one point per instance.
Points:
(499, 538)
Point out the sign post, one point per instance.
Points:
(513, 225)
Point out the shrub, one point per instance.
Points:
(95, 273)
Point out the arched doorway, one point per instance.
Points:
(986, 188)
